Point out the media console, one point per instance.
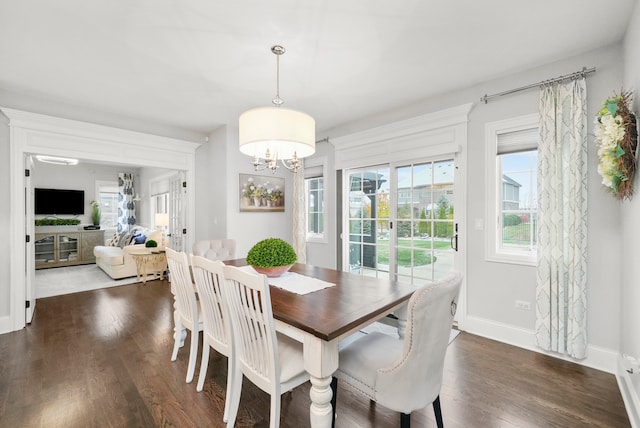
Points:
(55, 249)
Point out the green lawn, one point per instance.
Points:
(420, 257)
(517, 235)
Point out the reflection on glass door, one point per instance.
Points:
(368, 221)
(424, 226)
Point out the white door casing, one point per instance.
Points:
(177, 196)
(30, 285)
(32, 133)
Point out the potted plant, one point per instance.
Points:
(95, 213)
(272, 257)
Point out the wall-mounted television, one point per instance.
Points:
(59, 201)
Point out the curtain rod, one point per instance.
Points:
(582, 73)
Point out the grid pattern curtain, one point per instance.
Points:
(126, 204)
(299, 233)
(561, 292)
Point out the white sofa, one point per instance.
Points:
(116, 260)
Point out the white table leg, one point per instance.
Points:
(321, 361)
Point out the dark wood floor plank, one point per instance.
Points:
(102, 359)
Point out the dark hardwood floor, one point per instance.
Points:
(102, 359)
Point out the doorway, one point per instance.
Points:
(34, 133)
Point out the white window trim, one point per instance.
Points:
(492, 130)
(319, 239)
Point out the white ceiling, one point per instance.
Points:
(197, 64)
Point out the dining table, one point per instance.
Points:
(322, 318)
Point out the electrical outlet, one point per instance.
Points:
(525, 306)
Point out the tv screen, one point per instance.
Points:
(58, 201)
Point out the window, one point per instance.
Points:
(512, 162)
(107, 198)
(314, 203)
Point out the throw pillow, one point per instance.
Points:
(125, 238)
(139, 239)
(113, 242)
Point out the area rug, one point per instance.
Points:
(74, 279)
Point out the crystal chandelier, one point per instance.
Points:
(269, 134)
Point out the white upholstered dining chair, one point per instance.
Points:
(273, 362)
(215, 249)
(187, 313)
(405, 375)
(216, 333)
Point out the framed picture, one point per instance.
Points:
(261, 193)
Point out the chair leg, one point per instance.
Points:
(204, 364)
(334, 400)
(193, 355)
(231, 373)
(176, 338)
(405, 420)
(275, 410)
(234, 398)
(438, 412)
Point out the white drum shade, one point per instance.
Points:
(281, 131)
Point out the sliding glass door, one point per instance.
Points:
(425, 232)
(401, 221)
(368, 221)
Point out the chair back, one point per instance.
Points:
(209, 280)
(419, 370)
(215, 249)
(254, 333)
(182, 288)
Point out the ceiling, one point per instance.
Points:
(195, 65)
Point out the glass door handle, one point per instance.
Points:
(454, 238)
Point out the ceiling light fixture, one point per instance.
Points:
(271, 133)
(56, 160)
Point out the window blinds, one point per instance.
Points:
(518, 141)
(315, 171)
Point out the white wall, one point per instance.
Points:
(211, 215)
(630, 301)
(493, 288)
(5, 221)
(247, 228)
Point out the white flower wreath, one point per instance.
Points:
(616, 138)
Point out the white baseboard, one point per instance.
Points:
(5, 324)
(629, 393)
(597, 357)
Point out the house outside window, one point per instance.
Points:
(512, 214)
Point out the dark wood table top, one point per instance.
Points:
(333, 311)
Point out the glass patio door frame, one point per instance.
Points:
(427, 234)
(349, 220)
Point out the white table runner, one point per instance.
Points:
(294, 282)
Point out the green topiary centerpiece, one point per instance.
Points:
(271, 256)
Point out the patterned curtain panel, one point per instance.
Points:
(299, 232)
(561, 292)
(126, 204)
